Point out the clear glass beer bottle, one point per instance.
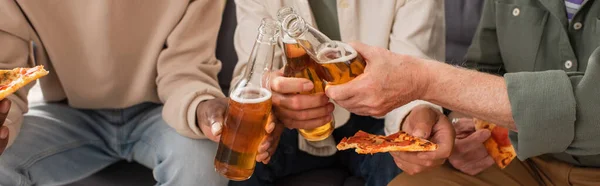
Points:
(249, 109)
(341, 63)
(299, 64)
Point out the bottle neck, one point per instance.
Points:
(311, 39)
(260, 62)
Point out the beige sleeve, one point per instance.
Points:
(249, 16)
(15, 47)
(418, 30)
(187, 66)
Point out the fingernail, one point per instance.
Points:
(270, 127)
(307, 86)
(3, 134)
(5, 106)
(215, 128)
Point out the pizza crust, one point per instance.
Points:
(502, 155)
(13, 80)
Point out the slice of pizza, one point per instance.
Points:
(365, 143)
(13, 80)
(498, 145)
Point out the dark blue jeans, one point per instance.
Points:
(377, 169)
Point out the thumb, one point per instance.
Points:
(361, 48)
(339, 92)
(420, 122)
(479, 136)
(216, 125)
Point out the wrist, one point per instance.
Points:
(423, 75)
(431, 80)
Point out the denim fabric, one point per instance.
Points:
(59, 145)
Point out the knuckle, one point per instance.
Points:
(419, 169)
(295, 103)
(302, 115)
(428, 163)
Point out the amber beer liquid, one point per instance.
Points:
(247, 116)
(340, 66)
(301, 65)
(249, 108)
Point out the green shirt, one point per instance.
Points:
(325, 14)
(552, 71)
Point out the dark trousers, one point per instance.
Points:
(377, 169)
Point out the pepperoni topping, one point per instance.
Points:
(500, 135)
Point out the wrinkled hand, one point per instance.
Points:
(388, 82)
(269, 144)
(426, 122)
(470, 155)
(211, 117)
(299, 111)
(4, 108)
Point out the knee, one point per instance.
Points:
(189, 162)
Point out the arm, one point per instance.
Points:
(14, 52)
(418, 30)
(544, 107)
(187, 66)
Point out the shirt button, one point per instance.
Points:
(516, 12)
(577, 26)
(568, 64)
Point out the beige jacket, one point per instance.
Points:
(115, 54)
(414, 27)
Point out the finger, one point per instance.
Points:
(470, 156)
(287, 85)
(344, 91)
(306, 124)
(420, 122)
(464, 125)
(3, 133)
(478, 166)
(4, 142)
(299, 101)
(444, 137)
(363, 49)
(270, 127)
(210, 136)
(472, 141)
(262, 156)
(306, 114)
(216, 128)
(4, 108)
(265, 145)
(267, 160)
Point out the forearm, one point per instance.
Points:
(470, 92)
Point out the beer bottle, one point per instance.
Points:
(340, 62)
(299, 64)
(249, 109)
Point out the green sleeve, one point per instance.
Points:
(556, 111)
(484, 52)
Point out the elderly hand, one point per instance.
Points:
(426, 122)
(470, 155)
(389, 81)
